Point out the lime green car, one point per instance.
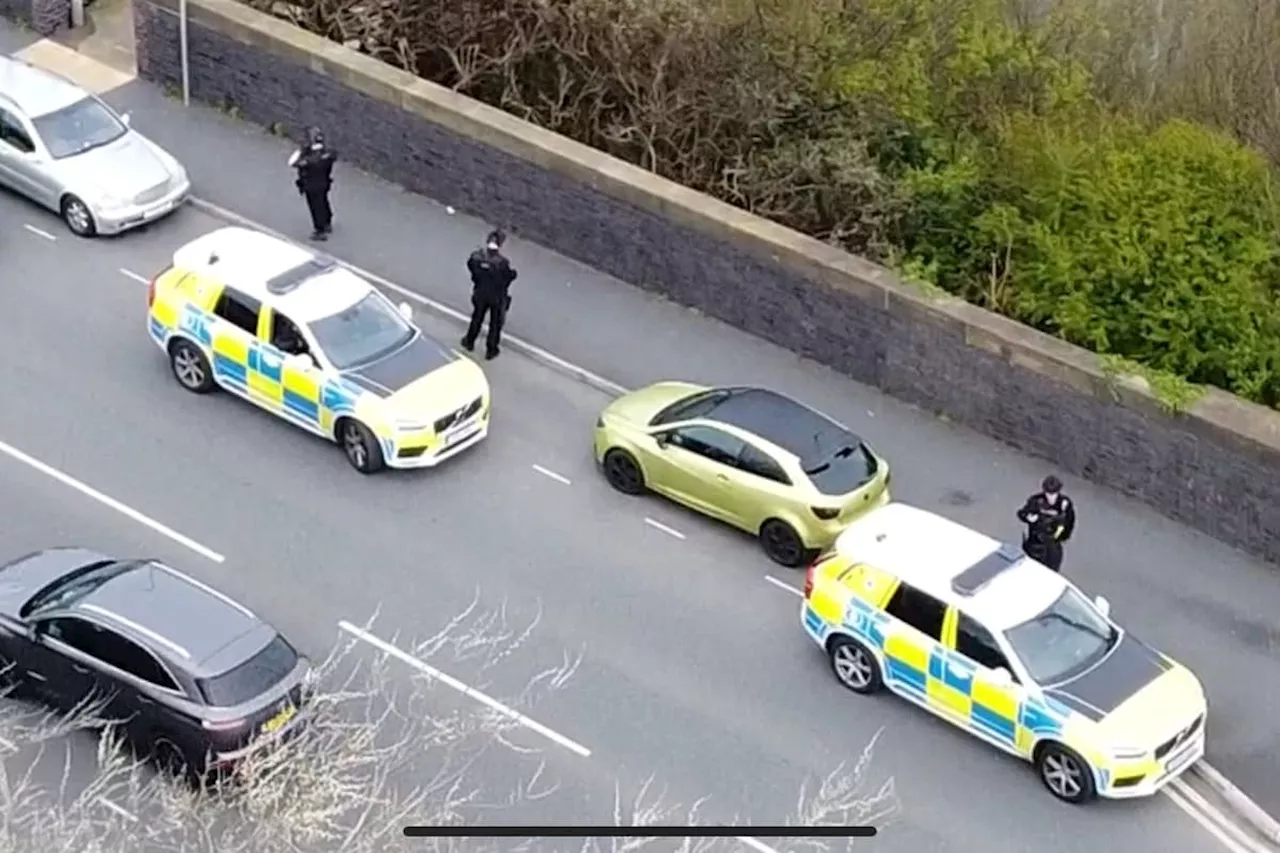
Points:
(749, 457)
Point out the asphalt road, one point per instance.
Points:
(693, 667)
(1208, 604)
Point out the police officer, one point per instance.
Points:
(314, 162)
(491, 277)
(1050, 518)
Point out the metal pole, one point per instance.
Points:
(186, 66)
(77, 14)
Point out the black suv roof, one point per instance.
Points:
(189, 624)
(790, 425)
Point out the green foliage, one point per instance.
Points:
(979, 149)
(1174, 393)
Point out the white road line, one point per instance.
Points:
(450, 681)
(757, 844)
(107, 500)
(123, 812)
(5, 743)
(547, 472)
(38, 232)
(532, 350)
(783, 585)
(141, 279)
(658, 525)
(1202, 812)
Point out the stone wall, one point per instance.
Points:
(46, 17)
(1217, 469)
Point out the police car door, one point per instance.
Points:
(994, 695)
(235, 337)
(912, 645)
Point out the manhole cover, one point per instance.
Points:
(957, 497)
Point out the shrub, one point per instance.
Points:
(383, 750)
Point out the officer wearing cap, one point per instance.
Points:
(314, 163)
(491, 277)
(1050, 517)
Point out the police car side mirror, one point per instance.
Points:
(406, 310)
(1002, 677)
(1104, 606)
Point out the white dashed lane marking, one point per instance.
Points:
(464, 689)
(108, 501)
(39, 232)
(658, 525)
(547, 472)
(141, 279)
(783, 585)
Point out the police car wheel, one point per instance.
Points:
(1065, 774)
(78, 217)
(782, 544)
(854, 665)
(623, 472)
(190, 367)
(361, 448)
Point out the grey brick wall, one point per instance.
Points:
(1229, 493)
(46, 17)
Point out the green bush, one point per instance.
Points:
(947, 137)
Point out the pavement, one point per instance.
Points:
(693, 667)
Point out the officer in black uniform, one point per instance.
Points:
(1050, 517)
(314, 163)
(491, 277)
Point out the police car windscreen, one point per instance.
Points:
(252, 678)
(1068, 638)
(839, 467)
(363, 333)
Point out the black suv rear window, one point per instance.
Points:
(252, 678)
(844, 471)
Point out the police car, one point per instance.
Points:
(1006, 649)
(299, 335)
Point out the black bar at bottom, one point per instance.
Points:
(640, 832)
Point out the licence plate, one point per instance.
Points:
(461, 433)
(1180, 761)
(279, 721)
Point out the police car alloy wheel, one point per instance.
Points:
(190, 367)
(1065, 774)
(623, 472)
(361, 448)
(854, 665)
(78, 218)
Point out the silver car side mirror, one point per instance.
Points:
(125, 119)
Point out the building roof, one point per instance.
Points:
(256, 263)
(179, 617)
(35, 91)
(929, 552)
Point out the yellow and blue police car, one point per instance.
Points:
(301, 336)
(976, 633)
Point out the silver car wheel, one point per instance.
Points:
(77, 215)
(187, 367)
(1063, 775)
(852, 666)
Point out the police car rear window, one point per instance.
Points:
(252, 678)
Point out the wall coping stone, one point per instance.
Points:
(1217, 414)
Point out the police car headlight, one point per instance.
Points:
(1128, 753)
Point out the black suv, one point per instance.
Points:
(197, 680)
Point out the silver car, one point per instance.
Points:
(65, 149)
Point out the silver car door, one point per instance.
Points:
(15, 148)
(41, 169)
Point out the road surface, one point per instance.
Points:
(693, 665)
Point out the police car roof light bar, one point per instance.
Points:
(983, 572)
(292, 279)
